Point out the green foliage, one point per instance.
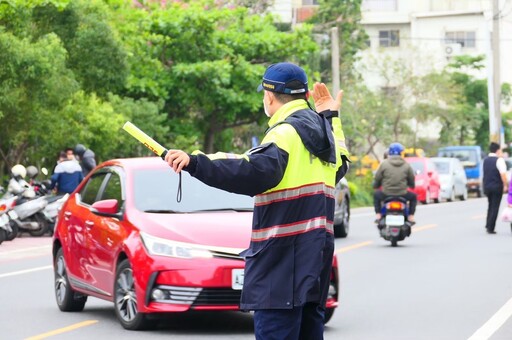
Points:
(361, 191)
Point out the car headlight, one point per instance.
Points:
(420, 182)
(163, 247)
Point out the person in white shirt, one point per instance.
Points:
(494, 183)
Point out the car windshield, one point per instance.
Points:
(418, 167)
(442, 167)
(468, 158)
(155, 190)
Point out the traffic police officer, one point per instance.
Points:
(292, 175)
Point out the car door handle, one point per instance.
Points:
(89, 224)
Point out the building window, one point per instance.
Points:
(379, 5)
(465, 39)
(389, 38)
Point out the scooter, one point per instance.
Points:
(393, 224)
(7, 215)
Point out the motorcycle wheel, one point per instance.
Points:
(394, 242)
(3, 235)
(14, 231)
(67, 299)
(41, 220)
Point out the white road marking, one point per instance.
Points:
(25, 271)
(494, 323)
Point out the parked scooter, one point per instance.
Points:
(7, 215)
(394, 225)
(28, 207)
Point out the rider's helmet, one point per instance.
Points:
(395, 149)
(79, 150)
(19, 171)
(32, 171)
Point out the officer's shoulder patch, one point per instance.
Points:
(259, 148)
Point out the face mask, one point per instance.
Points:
(265, 108)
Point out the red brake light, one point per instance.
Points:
(395, 205)
(3, 207)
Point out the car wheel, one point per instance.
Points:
(14, 231)
(341, 230)
(125, 299)
(328, 314)
(427, 197)
(464, 195)
(452, 195)
(3, 235)
(67, 299)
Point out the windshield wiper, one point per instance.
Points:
(162, 211)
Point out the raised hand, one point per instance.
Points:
(323, 99)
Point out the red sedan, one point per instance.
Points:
(123, 236)
(427, 183)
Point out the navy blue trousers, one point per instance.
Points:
(299, 323)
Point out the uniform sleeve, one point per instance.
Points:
(252, 173)
(339, 137)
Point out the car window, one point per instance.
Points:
(442, 167)
(113, 189)
(90, 191)
(156, 190)
(418, 167)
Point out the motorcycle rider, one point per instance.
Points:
(67, 176)
(394, 175)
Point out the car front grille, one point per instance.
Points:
(218, 297)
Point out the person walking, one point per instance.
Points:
(67, 175)
(86, 158)
(494, 184)
(292, 175)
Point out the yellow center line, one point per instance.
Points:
(477, 217)
(424, 227)
(354, 246)
(63, 330)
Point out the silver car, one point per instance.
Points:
(342, 209)
(452, 177)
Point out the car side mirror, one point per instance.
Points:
(108, 208)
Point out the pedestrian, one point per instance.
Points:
(86, 158)
(67, 175)
(494, 184)
(70, 153)
(292, 175)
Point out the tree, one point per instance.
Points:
(213, 61)
(346, 16)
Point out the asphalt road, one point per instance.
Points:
(449, 280)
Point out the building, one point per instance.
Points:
(433, 29)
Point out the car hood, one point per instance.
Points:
(224, 229)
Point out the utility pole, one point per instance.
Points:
(495, 109)
(335, 61)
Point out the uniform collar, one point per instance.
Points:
(286, 110)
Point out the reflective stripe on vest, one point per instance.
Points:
(292, 229)
(294, 193)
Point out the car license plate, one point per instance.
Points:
(12, 214)
(395, 220)
(237, 279)
(4, 220)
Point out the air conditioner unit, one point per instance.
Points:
(452, 49)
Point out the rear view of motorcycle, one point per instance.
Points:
(394, 225)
